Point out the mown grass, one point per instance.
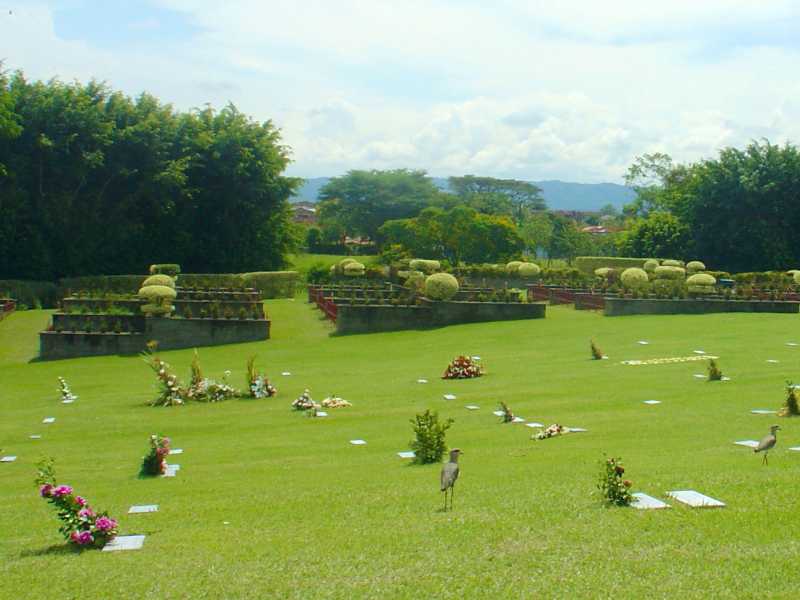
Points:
(310, 516)
(303, 262)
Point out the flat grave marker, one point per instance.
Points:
(699, 351)
(476, 358)
(517, 420)
(791, 343)
(407, 454)
(35, 436)
(795, 448)
(449, 396)
(472, 407)
(700, 376)
(124, 542)
(142, 508)
(534, 424)
(643, 342)
(286, 373)
(645, 502)
(762, 411)
(8, 459)
(651, 402)
(321, 413)
(695, 499)
(358, 442)
(498, 413)
(176, 451)
(48, 420)
(67, 401)
(576, 429)
(772, 361)
(422, 381)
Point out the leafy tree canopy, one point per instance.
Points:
(523, 195)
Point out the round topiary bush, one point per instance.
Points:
(441, 286)
(528, 270)
(634, 278)
(159, 299)
(426, 266)
(695, 266)
(796, 278)
(354, 269)
(513, 266)
(670, 272)
(650, 265)
(701, 279)
(672, 263)
(164, 280)
(415, 280)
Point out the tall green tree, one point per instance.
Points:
(362, 201)
(98, 183)
(659, 235)
(524, 196)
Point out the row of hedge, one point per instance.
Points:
(45, 294)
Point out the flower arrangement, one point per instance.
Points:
(614, 489)
(790, 406)
(508, 416)
(170, 391)
(210, 390)
(305, 402)
(714, 372)
(550, 431)
(155, 461)
(81, 525)
(597, 354)
(462, 367)
(257, 383)
(335, 402)
(66, 393)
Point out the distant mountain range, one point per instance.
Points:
(559, 195)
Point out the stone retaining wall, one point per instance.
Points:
(616, 307)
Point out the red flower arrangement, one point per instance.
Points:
(463, 367)
(155, 462)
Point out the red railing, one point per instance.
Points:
(590, 302)
(6, 308)
(538, 292)
(561, 296)
(326, 305)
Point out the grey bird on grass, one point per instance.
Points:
(449, 476)
(768, 443)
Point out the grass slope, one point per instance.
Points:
(311, 516)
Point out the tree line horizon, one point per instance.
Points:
(94, 182)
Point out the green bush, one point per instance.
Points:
(669, 272)
(513, 267)
(115, 284)
(588, 264)
(529, 270)
(634, 278)
(426, 266)
(650, 265)
(796, 278)
(354, 269)
(319, 273)
(701, 279)
(159, 299)
(429, 443)
(272, 284)
(414, 280)
(672, 263)
(441, 286)
(31, 293)
(159, 280)
(212, 280)
(170, 269)
(695, 266)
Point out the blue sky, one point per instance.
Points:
(532, 89)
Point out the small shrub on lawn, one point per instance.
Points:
(791, 408)
(429, 444)
(614, 490)
(714, 372)
(597, 354)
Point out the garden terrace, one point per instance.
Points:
(114, 324)
(614, 307)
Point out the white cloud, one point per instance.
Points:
(570, 90)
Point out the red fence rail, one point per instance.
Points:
(6, 308)
(326, 305)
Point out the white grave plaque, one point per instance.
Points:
(575, 429)
(8, 459)
(645, 502)
(422, 381)
(643, 343)
(791, 343)
(358, 442)
(695, 499)
(476, 358)
(534, 424)
(795, 448)
(498, 413)
(472, 407)
(124, 542)
(142, 508)
(286, 373)
(773, 361)
(699, 351)
(651, 401)
(408, 454)
(49, 420)
(761, 411)
(518, 420)
(176, 451)
(35, 436)
(67, 401)
(449, 396)
(699, 376)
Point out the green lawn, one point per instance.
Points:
(310, 516)
(303, 262)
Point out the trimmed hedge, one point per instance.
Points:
(650, 265)
(165, 280)
(354, 269)
(170, 269)
(272, 284)
(513, 267)
(529, 270)
(588, 264)
(426, 266)
(441, 286)
(31, 293)
(672, 263)
(702, 279)
(117, 284)
(634, 278)
(670, 272)
(695, 266)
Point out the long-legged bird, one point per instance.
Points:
(768, 443)
(449, 476)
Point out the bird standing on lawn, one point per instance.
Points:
(768, 443)
(449, 476)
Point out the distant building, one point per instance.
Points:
(304, 212)
(595, 229)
